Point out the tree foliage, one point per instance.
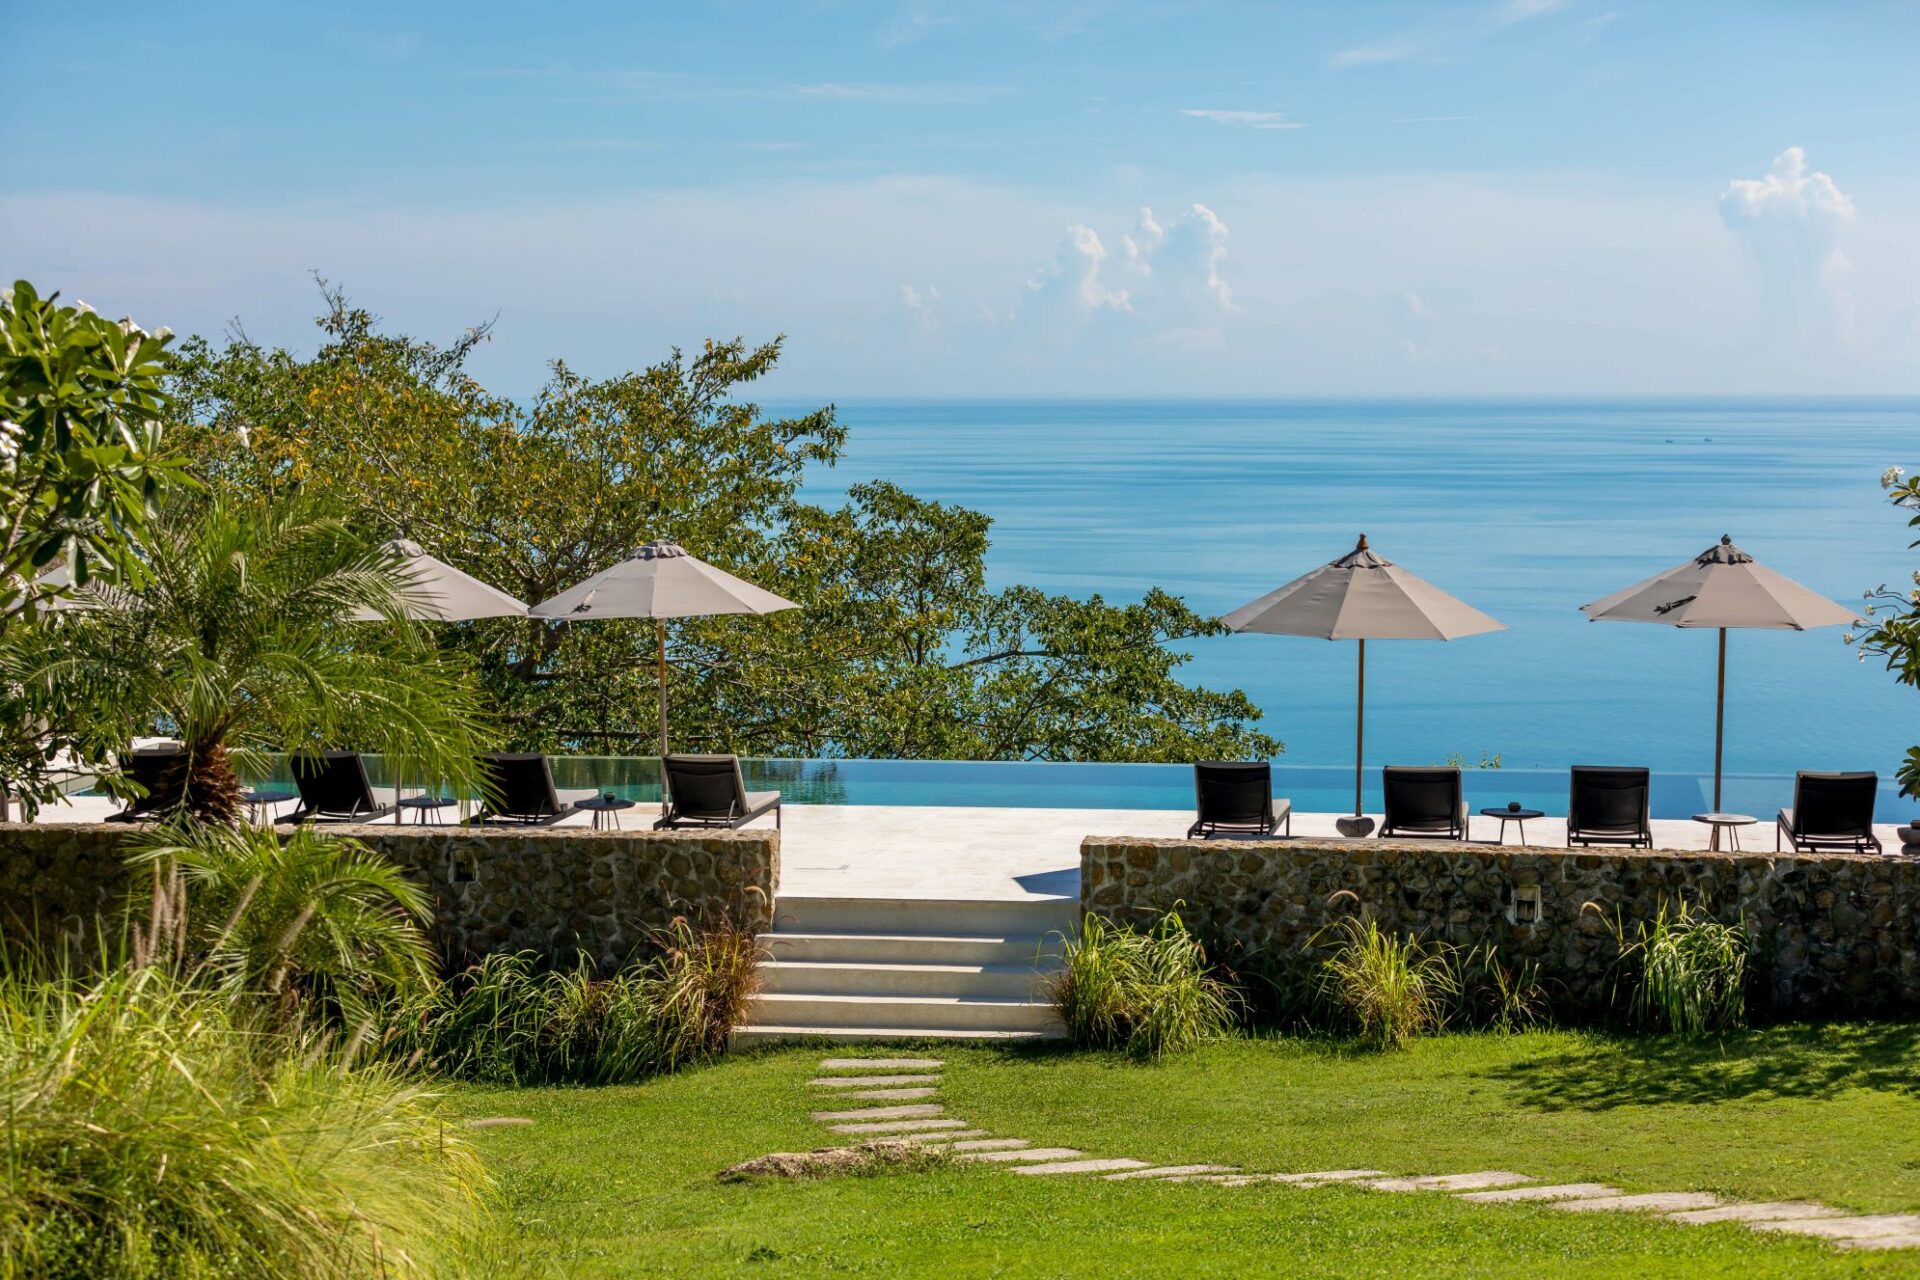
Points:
(82, 402)
(81, 406)
(900, 647)
(1894, 633)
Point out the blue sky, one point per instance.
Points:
(1515, 196)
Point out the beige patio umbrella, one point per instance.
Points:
(1723, 587)
(437, 592)
(660, 581)
(1361, 597)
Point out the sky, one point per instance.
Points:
(1508, 197)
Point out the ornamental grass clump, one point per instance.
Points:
(156, 1128)
(512, 1020)
(1688, 971)
(1150, 993)
(1389, 988)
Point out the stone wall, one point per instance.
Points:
(549, 890)
(1832, 933)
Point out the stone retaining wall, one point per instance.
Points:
(1831, 933)
(550, 890)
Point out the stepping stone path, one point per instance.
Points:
(902, 1080)
(1563, 1191)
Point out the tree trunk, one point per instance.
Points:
(212, 788)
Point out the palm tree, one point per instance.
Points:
(242, 639)
(304, 919)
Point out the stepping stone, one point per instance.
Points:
(948, 1136)
(899, 1126)
(1653, 1202)
(913, 1112)
(882, 1064)
(1564, 1191)
(1328, 1175)
(1079, 1166)
(1170, 1171)
(1227, 1179)
(1451, 1181)
(1859, 1227)
(1766, 1211)
(990, 1144)
(892, 1095)
(1031, 1153)
(1881, 1242)
(870, 1082)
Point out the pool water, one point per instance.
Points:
(1020, 785)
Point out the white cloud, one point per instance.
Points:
(1164, 279)
(1368, 55)
(1791, 220)
(1520, 10)
(1244, 119)
(923, 303)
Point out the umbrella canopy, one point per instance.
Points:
(438, 592)
(660, 581)
(1361, 596)
(1723, 587)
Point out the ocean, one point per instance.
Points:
(1526, 510)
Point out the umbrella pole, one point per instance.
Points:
(660, 634)
(1359, 727)
(1720, 721)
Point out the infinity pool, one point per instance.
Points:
(1020, 785)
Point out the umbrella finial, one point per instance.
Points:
(1726, 539)
(1363, 543)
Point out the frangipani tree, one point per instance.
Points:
(241, 640)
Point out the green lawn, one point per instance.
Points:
(619, 1181)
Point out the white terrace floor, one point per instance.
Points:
(884, 851)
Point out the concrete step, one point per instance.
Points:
(924, 917)
(789, 977)
(860, 1035)
(923, 1014)
(895, 948)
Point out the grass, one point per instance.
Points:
(1147, 991)
(149, 1130)
(620, 1181)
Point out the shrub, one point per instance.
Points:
(1689, 971)
(309, 921)
(510, 1020)
(1499, 994)
(1390, 988)
(1150, 992)
(153, 1130)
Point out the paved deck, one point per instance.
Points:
(881, 851)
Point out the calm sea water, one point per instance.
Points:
(1526, 510)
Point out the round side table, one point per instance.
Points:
(426, 808)
(1507, 815)
(260, 803)
(1730, 823)
(605, 811)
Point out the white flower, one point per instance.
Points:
(83, 308)
(246, 442)
(1891, 477)
(163, 333)
(11, 434)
